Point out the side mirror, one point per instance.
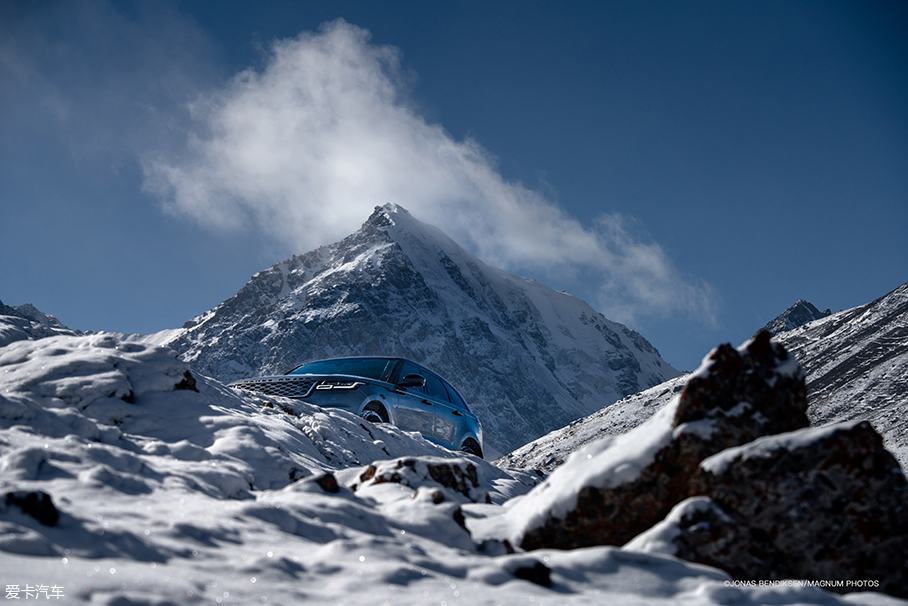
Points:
(412, 381)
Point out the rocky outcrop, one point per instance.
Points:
(824, 504)
(736, 397)
(457, 475)
(36, 504)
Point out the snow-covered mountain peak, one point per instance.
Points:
(797, 315)
(529, 359)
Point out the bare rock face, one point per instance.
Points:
(826, 504)
(762, 378)
(736, 397)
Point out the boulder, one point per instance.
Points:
(828, 504)
(612, 491)
(36, 504)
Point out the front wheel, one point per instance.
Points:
(372, 416)
(471, 447)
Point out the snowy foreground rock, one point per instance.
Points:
(127, 479)
(824, 503)
(619, 487)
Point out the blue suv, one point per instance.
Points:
(382, 390)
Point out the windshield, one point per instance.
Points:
(378, 369)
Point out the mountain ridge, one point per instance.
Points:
(856, 362)
(28, 322)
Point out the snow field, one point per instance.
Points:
(173, 489)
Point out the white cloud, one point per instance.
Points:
(305, 149)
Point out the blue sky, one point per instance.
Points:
(690, 169)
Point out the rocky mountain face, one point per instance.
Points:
(856, 365)
(798, 314)
(551, 450)
(527, 358)
(26, 322)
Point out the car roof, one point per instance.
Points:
(396, 358)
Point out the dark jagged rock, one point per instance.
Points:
(737, 397)
(36, 504)
(187, 383)
(328, 483)
(537, 573)
(822, 504)
(763, 375)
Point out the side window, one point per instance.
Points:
(458, 401)
(386, 373)
(435, 388)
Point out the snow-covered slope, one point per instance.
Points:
(169, 488)
(527, 358)
(554, 448)
(857, 369)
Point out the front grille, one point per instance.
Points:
(286, 387)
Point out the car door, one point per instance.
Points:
(447, 417)
(414, 411)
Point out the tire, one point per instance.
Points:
(373, 416)
(471, 447)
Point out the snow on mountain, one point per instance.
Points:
(857, 369)
(551, 450)
(527, 358)
(127, 479)
(21, 322)
(798, 314)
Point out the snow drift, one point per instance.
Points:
(170, 488)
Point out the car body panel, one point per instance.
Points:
(435, 409)
(415, 412)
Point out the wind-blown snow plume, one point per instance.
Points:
(326, 131)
